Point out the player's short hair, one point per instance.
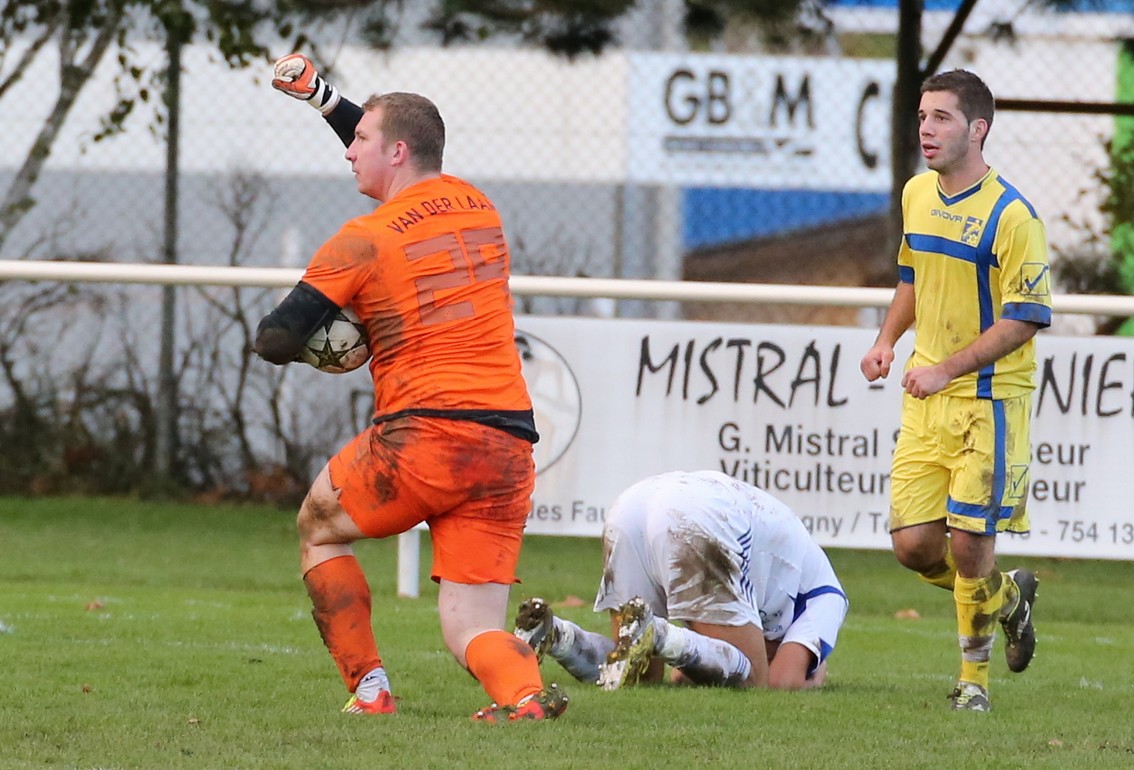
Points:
(413, 119)
(973, 96)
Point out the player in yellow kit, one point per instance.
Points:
(974, 283)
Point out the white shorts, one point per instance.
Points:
(702, 547)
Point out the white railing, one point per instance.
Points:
(268, 277)
(527, 285)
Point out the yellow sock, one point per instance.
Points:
(945, 574)
(978, 603)
(1011, 594)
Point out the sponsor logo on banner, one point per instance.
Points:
(758, 122)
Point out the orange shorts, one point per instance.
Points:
(471, 484)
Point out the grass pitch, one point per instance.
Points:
(139, 635)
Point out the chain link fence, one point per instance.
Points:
(751, 162)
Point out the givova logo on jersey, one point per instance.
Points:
(973, 230)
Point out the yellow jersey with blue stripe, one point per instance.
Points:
(974, 258)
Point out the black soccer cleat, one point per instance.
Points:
(1019, 631)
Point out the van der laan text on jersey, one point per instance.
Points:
(406, 218)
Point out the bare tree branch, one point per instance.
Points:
(27, 57)
(18, 201)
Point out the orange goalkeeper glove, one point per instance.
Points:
(296, 77)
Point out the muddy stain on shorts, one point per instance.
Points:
(703, 571)
(387, 442)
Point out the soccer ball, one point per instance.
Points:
(338, 346)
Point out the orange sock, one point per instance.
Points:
(340, 598)
(505, 666)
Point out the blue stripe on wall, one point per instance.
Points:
(1068, 6)
(717, 215)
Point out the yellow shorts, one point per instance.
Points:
(964, 460)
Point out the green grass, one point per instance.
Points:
(177, 636)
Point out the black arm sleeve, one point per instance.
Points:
(282, 332)
(343, 119)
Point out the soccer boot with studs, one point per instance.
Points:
(1019, 631)
(970, 697)
(383, 704)
(535, 624)
(630, 658)
(548, 703)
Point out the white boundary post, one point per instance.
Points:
(409, 563)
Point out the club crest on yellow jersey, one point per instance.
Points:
(974, 228)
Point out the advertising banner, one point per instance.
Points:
(786, 408)
(789, 122)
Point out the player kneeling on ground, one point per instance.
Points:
(761, 604)
(452, 434)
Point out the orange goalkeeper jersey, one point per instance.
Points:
(427, 273)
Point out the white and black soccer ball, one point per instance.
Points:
(338, 346)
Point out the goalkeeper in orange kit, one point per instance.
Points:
(451, 440)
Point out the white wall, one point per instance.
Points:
(524, 116)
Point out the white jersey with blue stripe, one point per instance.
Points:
(706, 547)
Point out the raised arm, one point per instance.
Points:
(297, 77)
